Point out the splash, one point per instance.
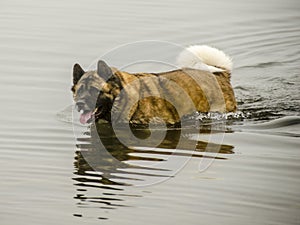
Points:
(216, 116)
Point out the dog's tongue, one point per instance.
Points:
(84, 117)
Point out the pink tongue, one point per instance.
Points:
(85, 117)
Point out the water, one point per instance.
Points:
(44, 178)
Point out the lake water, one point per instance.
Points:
(50, 174)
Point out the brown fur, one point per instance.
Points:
(144, 97)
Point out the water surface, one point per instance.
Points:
(44, 178)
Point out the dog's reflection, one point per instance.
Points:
(103, 163)
(105, 159)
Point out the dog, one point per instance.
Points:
(201, 83)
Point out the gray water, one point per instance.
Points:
(44, 178)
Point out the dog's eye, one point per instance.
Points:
(79, 90)
(94, 91)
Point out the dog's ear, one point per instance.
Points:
(104, 70)
(77, 73)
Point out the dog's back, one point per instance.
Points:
(172, 94)
(202, 84)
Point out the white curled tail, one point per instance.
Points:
(206, 58)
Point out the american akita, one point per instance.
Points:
(202, 83)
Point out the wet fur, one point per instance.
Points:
(110, 89)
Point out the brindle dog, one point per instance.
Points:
(140, 98)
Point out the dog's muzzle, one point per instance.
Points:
(80, 105)
(86, 113)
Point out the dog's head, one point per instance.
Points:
(95, 91)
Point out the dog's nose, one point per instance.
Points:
(79, 105)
